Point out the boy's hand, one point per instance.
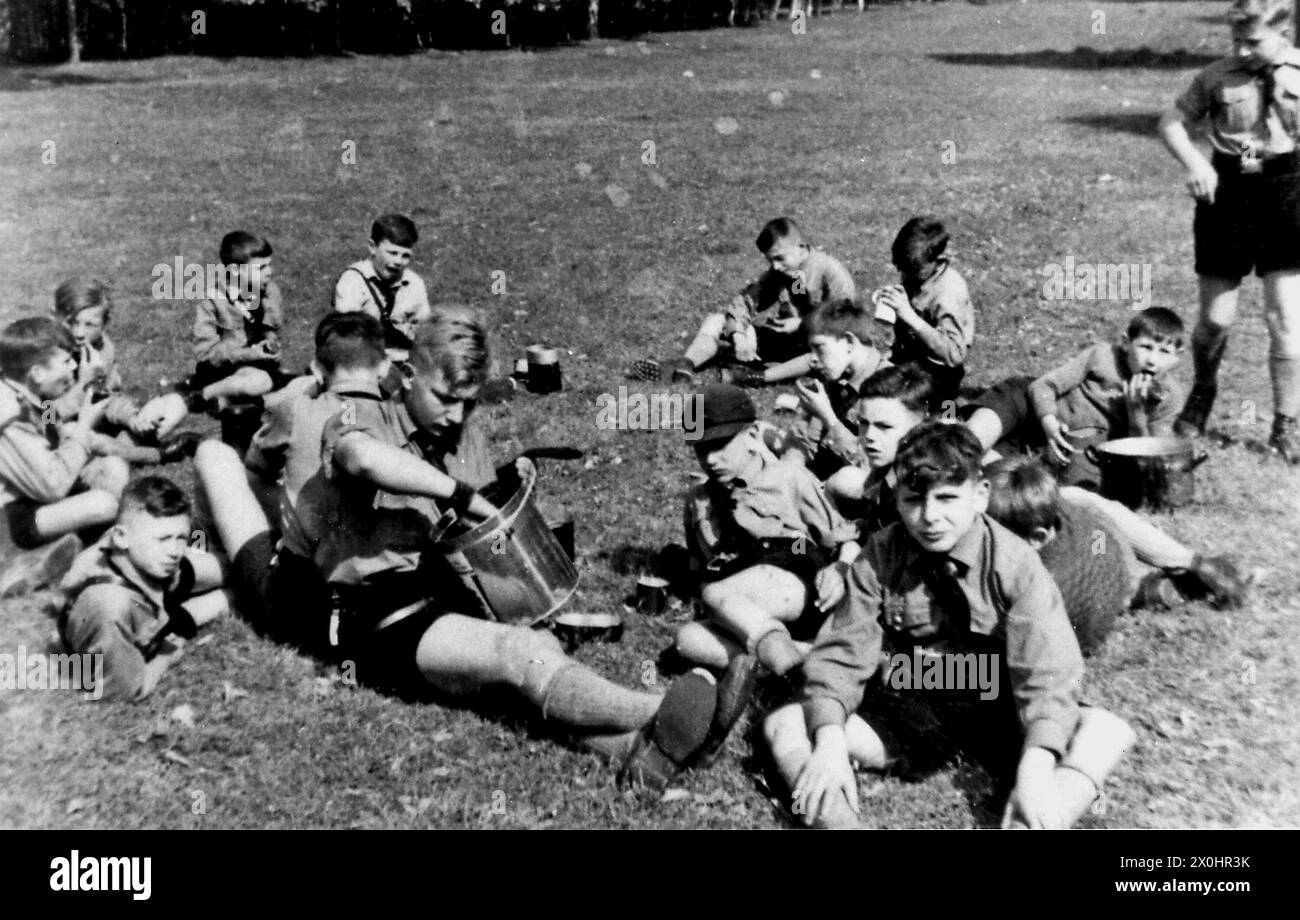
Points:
(830, 586)
(784, 324)
(897, 300)
(91, 367)
(814, 399)
(1059, 447)
(827, 773)
(744, 341)
(159, 415)
(1035, 801)
(1202, 182)
(89, 415)
(269, 347)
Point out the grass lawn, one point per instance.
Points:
(533, 164)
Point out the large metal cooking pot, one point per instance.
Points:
(512, 561)
(1148, 472)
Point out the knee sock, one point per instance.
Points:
(778, 652)
(1285, 370)
(1208, 346)
(702, 349)
(613, 747)
(576, 695)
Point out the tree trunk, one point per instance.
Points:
(74, 40)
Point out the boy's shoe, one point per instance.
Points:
(1195, 416)
(673, 738)
(1215, 579)
(735, 690)
(498, 390)
(1285, 439)
(647, 369)
(188, 388)
(1157, 591)
(748, 377)
(683, 371)
(40, 567)
(179, 446)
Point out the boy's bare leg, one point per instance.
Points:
(986, 426)
(707, 341)
(209, 606)
(247, 381)
(168, 411)
(235, 511)
(847, 484)
(786, 732)
(1150, 544)
(106, 474)
(789, 370)
(84, 510)
(754, 605)
(707, 645)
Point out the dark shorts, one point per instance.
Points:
(926, 730)
(1022, 433)
(803, 564)
(775, 347)
(1254, 222)
(282, 595)
(946, 384)
(20, 519)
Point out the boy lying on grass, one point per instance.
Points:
(400, 615)
(951, 586)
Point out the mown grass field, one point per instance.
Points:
(534, 164)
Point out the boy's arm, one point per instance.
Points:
(37, 471)
(1043, 657)
(823, 523)
(354, 451)
(209, 347)
(954, 321)
(352, 294)
(845, 656)
(272, 309)
(1047, 390)
(268, 451)
(837, 283)
(1165, 409)
(699, 520)
(1190, 108)
(206, 569)
(761, 294)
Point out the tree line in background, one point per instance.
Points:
(73, 30)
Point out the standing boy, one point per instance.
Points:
(1246, 213)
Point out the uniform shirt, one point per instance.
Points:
(1010, 600)
(783, 501)
(1241, 119)
(224, 325)
(878, 507)
(120, 409)
(1088, 392)
(360, 290)
(943, 301)
(822, 278)
(360, 532)
(37, 461)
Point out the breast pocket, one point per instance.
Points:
(1238, 107)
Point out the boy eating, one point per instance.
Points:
(51, 484)
(138, 587)
(949, 586)
(1106, 391)
(798, 278)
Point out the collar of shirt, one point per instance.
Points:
(120, 563)
(367, 268)
(356, 388)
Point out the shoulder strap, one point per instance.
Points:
(384, 300)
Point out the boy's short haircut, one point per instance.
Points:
(452, 341)
(397, 229)
(937, 453)
(921, 241)
(1276, 15)
(30, 342)
(1024, 495)
(349, 340)
(1159, 323)
(156, 496)
(907, 383)
(239, 247)
(774, 231)
(77, 294)
(838, 318)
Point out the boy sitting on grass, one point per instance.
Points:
(1080, 537)
(948, 584)
(935, 321)
(52, 485)
(237, 326)
(84, 307)
(797, 280)
(402, 618)
(383, 286)
(769, 542)
(1104, 392)
(843, 358)
(140, 588)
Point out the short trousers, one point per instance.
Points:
(946, 383)
(281, 594)
(774, 346)
(1254, 221)
(926, 730)
(804, 564)
(20, 515)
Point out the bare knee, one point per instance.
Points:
(213, 458)
(846, 484)
(256, 382)
(782, 725)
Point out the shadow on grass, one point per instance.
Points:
(25, 79)
(1142, 124)
(1082, 58)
